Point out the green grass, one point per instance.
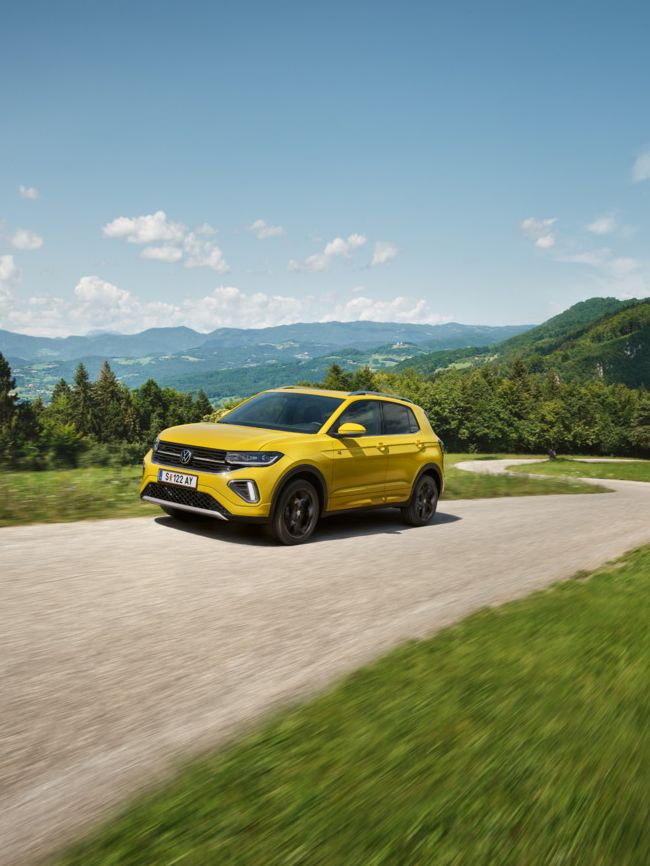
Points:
(71, 494)
(519, 736)
(92, 493)
(460, 484)
(635, 470)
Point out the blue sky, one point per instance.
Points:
(487, 163)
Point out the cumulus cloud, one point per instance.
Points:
(641, 167)
(384, 252)
(98, 303)
(539, 231)
(262, 230)
(200, 253)
(24, 239)
(162, 254)
(172, 241)
(337, 248)
(145, 229)
(29, 192)
(603, 225)
(9, 275)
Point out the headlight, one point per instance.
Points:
(252, 458)
(156, 443)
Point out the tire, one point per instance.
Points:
(423, 503)
(296, 513)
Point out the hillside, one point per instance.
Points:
(601, 338)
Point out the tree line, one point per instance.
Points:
(89, 422)
(484, 409)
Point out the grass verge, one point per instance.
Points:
(634, 470)
(460, 484)
(519, 736)
(70, 494)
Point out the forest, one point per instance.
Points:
(491, 408)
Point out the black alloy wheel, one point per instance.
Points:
(423, 503)
(297, 512)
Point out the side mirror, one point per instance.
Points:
(350, 430)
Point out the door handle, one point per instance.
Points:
(382, 447)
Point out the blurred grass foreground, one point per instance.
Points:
(519, 736)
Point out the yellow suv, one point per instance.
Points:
(290, 456)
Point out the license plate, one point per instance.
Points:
(180, 478)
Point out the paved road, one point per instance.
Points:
(126, 643)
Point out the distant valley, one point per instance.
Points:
(232, 361)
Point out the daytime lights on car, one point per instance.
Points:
(252, 458)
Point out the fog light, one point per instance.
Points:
(246, 490)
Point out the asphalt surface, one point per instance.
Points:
(126, 645)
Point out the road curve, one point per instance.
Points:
(126, 644)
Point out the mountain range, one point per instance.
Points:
(601, 339)
(184, 358)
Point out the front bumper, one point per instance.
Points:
(213, 496)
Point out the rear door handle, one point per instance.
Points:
(382, 447)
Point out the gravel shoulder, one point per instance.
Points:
(126, 645)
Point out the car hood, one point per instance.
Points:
(231, 437)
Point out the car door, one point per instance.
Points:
(404, 439)
(359, 464)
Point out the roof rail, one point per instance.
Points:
(379, 394)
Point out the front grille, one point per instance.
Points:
(205, 459)
(184, 496)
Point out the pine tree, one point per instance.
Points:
(337, 379)
(109, 404)
(202, 407)
(7, 393)
(83, 403)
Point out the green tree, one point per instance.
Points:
(83, 402)
(109, 402)
(7, 393)
(337, 379)
(640, 427)
(202, 407)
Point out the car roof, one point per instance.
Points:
(343, 395)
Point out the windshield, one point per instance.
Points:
(280, 410)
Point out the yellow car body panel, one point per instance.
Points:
(368, 470)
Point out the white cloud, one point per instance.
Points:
(178, 243)
(603, 225)
(10, 274)
(162, 254)
(641, 168)
(539, 231)
(145, 229)
(337, 248)
(384, 252)
(262, 230)
(203, 254)
(98, 303)
(24, 239)
(29, 192)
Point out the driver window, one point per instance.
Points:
(366, 412)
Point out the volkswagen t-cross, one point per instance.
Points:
(289, 456)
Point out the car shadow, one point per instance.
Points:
(350, 525)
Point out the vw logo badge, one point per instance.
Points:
(186, 456)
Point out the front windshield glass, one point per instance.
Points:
(283, 410)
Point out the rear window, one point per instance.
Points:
(399, 419)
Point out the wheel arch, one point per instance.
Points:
(309, 473)
(429, 469)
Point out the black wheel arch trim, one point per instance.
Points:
(294, 472)
(426, 470)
